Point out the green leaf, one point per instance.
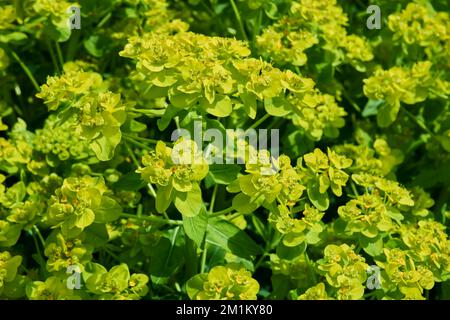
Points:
(371, 107)
(276, 107)
(290, 253)
(195, 284)
(229, 237)
(164, 197)
(249, 101)
(241, 203)
(319, 200)
(96, 45)
(372, 246)
(130, 182)
(387, 114)
(189, 203)
(13, 37)
(224, 173)
(104, 146)
(166, 257)
(219, 108)
(164, 121)
(195, 227)
(109, 210)
(85, 219)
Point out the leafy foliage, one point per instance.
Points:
(106, 191)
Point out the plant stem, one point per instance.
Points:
(60, 56)
(148, 112)
(152, 141)
(213, 198)
(53, 56)
(222, 212)
(235, 215)
(136, 143)
(36, 229)
(132, 155)
(152, 191)
(239, 20)
(261, 120)
(153, 219)
(260, 261)
(27, 71)
(203, 262)
(417, 121)
(352, 102)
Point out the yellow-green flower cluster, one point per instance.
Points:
(401, 274)
(267, 182)
(53, 288)
(61, 140)
(379, 160)
(8, 268)
(429, 245)
(63, 253)
(78, 203)
(316, 292)
(309, 23)
(419, 24)
(326, 170)
(115, 284)
(344, 270)
(99, 113)
(295, 230)
(177, 172)
(7, 16)
(230, 282)
(216, 76)
(285, 185)
(403, 85)
(56, 17)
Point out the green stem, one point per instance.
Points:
(222, 212)
(239, 20)
(132, 155)
(257, 25)
(235, 215)
(213, 199)
(153, 219)
(203, 263)
(417, 121)
(73, 45)
(152, 191)
(352, 102)
(136, 143)
(27, 71)
(355, 192)
(60, 56)
(112, 254)
(41, 238)
(152, 141)
(148, 112)
(40, 258)
(53, 56)
(260, 261)
(261, 120)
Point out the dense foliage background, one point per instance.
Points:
(92, 205)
